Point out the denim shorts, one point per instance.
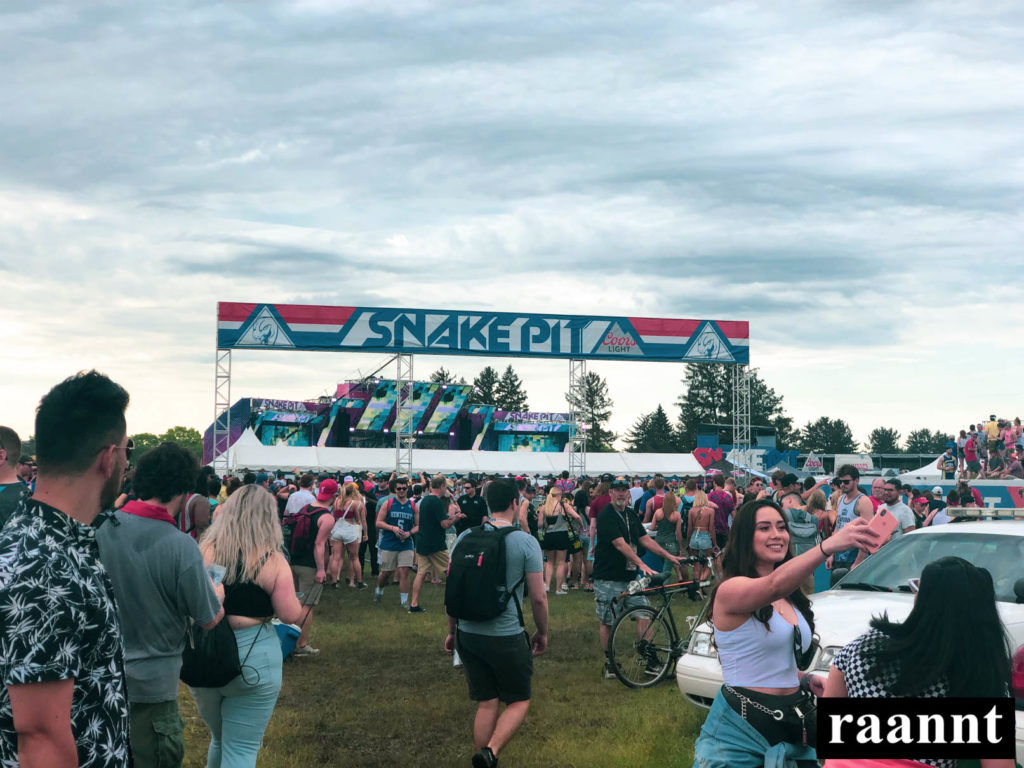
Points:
(606, 591)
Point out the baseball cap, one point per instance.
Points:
(348, 478)
(327, 489)
(620, 481)
(790, 479)
(937, 489)
(261, 478)
(919, 500)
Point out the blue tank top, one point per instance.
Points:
(846, 511)
(400, 516)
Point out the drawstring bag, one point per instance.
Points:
(210, 658)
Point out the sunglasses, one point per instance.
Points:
(803, 658)
(845, 480)
(401, 488)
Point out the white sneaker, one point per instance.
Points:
(305, 650)
(561, 592)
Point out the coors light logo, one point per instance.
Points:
(619, 342)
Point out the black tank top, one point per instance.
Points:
(247, 598)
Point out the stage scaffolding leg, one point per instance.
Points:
(741, 408)
(222, 412)
(577, 432)
(405, 432)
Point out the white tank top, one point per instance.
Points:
(754, 656)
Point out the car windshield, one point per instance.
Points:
(907, 556)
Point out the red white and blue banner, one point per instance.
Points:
(492, 334)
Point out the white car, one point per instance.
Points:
(880, 585)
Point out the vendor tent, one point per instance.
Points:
(929, 472)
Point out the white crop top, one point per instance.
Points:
(754, 657)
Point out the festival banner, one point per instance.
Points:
(813, 464)
(412, 412)
(492, 334)
(453, 397)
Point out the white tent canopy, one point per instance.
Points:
(927, 473)
(249, 453)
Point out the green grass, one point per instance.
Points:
(383, 693)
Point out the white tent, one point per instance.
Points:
(926, 474)
(249, 453)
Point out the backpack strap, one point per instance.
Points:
(505, 532)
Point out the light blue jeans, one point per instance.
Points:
(237, 714)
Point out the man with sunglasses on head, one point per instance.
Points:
(397, 521)
(472, 506)
(63, 698)
(616, 563)
(852, 504)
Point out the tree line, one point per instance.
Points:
(708, 399)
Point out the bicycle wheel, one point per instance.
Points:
(640, 647)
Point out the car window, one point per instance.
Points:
(907, 556)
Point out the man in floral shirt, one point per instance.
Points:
(62, 698)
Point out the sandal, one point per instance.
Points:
(575, 586)
(588, 587)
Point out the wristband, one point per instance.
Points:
(821, 546)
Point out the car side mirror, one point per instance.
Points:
(1018, 590)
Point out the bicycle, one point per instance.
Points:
(644, 643)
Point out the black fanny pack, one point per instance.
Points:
(791, 718)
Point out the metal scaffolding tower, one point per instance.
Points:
(405, 434)
(741, 408)
(577, 431)
(222, 411)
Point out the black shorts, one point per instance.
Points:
(974, 466)
(496, 667)
(721, 539)
(559, 540)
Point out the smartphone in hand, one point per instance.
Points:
(883, 524)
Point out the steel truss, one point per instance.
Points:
(577, 432)
(741, 408)
(222, 411)
(405, 435)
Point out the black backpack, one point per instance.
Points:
(298, 530)
(475, 589)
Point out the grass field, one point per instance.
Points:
(383, 693)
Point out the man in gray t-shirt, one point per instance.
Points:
(496, 654)
(159, 583)
(899, 510)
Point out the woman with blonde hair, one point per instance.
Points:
(553, 520)
(348, 533)
(700, 526)
(245, 539)
(668, 531)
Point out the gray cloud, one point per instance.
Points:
(829, 170)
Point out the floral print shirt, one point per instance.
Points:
(58, 621)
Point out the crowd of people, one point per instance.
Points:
(991, 450)
(107, 567)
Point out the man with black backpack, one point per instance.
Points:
(483, 600)
(306, 533)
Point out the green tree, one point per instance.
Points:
(708, 400)
(652, 433)
(827, 436)
(884, 440)
(443, 376)
(594, 407)
(144, 442)
(28, 446)
(186, 437)
(636, 437)
(926, 441)
(509, 394)
(485, 388)
(920, 441)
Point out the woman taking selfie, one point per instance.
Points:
(760, 619)
(245, 539)
(924, 656)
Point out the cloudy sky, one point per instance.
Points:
(847, 176)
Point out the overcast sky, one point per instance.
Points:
(847, 176)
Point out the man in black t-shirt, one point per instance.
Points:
(437, 515)
(616, 562)
(472, 505)
(12, 488)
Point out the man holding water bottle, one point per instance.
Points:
(159, 583)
